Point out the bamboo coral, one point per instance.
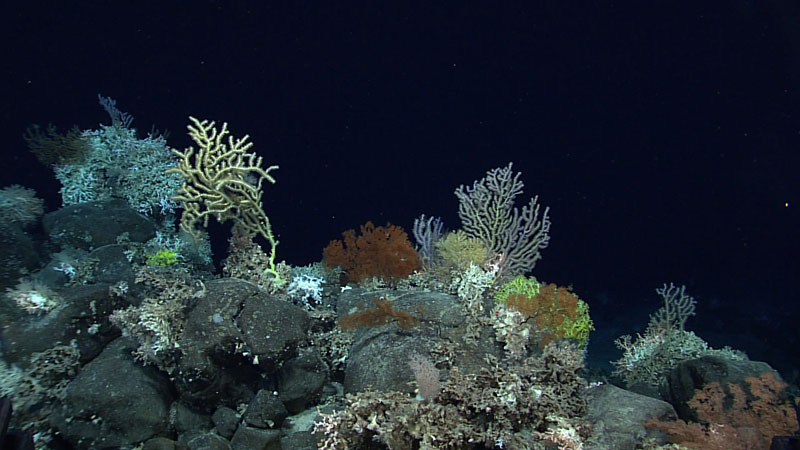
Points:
(223, 180)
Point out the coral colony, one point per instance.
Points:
(121, 333)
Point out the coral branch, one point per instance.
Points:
(224, 181)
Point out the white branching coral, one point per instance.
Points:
(470, 285)
(304, 289)
(512, 329)
(665, 342)
(484, 409)
(158, 322)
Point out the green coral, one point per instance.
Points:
(578, 328)
(522, 285)
(556, 312)
(163, 258)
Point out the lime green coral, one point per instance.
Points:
(163, 258)
(521, 285)
(556, 312)
(577, 328)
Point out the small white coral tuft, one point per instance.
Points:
(20, 205)
(34, 298)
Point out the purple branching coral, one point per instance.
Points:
(514, 236)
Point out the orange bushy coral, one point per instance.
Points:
(382, 314)
(553, 309)
(383, 252)
(733, 419)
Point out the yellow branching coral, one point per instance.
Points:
(223, 180)
(458, 249)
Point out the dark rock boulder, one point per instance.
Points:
(689, 376)
(94, 224)
(114, 401)
(234, 336)
(618, 416)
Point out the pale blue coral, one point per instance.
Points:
(119, 164)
